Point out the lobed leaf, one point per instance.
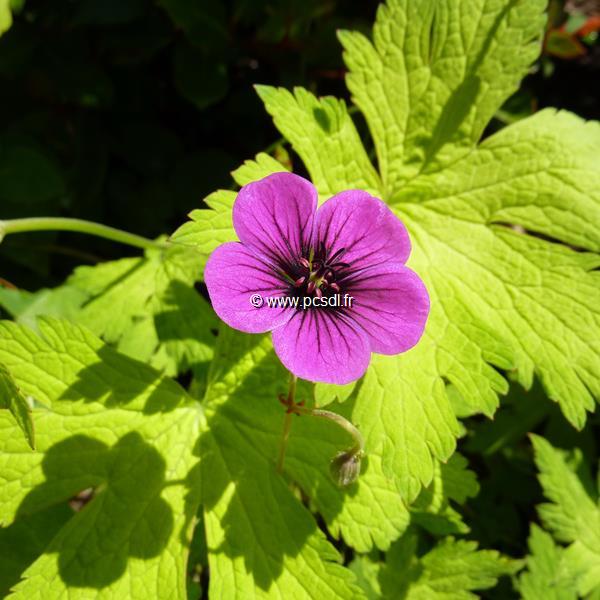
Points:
(435, 74)
(322, 133)
(433, 509)
(544, 578)
(109, 423)
(261, 540)
(449, 571)
(501, 298)
(147, 306)
(573, 515)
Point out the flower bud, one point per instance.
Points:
(345, 467)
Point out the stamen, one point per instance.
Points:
(338, 254)
(310, 288)
(319, 293)
(299, 281)
(335, 287)
(305, 263)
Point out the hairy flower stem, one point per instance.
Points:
(77, 225)
(290, 402)
(359, 443)
(346, 465)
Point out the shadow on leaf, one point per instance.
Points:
(127, 517)
(251, 512)
(139, 390)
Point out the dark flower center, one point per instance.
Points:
(318, 272)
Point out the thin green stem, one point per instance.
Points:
(359, 443)
(287, 423)
(78, 225)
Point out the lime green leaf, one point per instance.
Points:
(209, 227)
(500, 297)
(109, 423)
(466, 264)
(253, 170)
(26, 539)
(25, 307)
(435, 75)
(323, 133)
(5, 15)
(147, 306)
(450, 571)
(372, 512)
(544, 579)
(458, 481)
(573, 515)
(406, 420)
(367, 576)
(12, 399)
(261, 540)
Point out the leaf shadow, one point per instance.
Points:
(461, 101)
(323, 120)
(186, 316)
(103, 381)
(126, 518)
(261, 517)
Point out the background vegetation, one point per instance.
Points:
(129, 112)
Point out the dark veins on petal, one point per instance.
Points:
(319, 272)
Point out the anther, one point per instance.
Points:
(299, 281)
(335, 287)
(310, 288)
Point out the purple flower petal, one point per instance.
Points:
(321, 345)
(232, 275)
(391, 304)
(365, 227)
(275, 215)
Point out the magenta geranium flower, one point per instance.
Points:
(332, 281)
